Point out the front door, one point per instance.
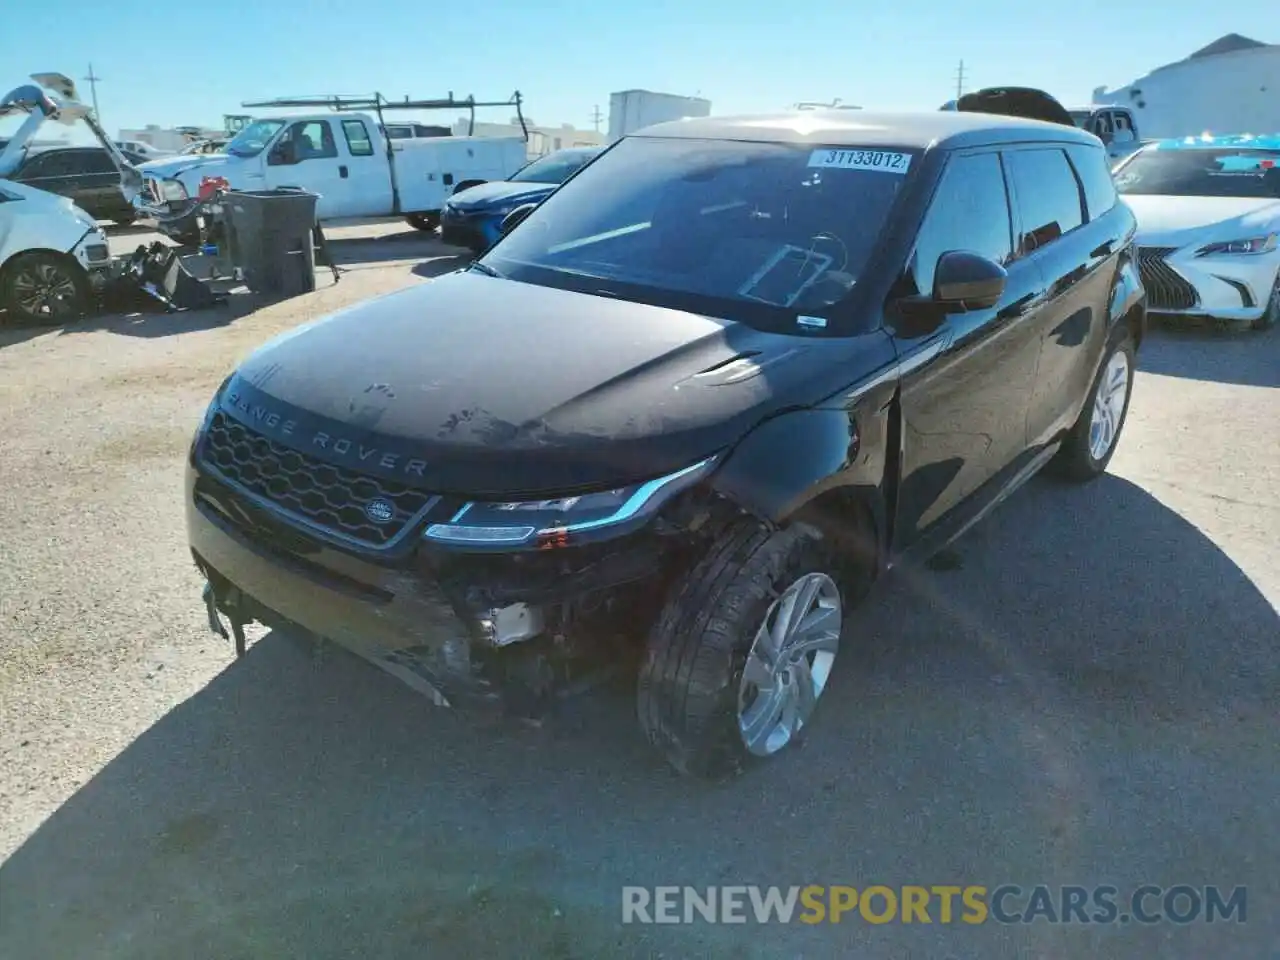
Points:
(965, 386)
(306, 156)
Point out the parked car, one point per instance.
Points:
(202, 147)
(53, 255)
(343, 158)
(735, 369)
(143, 149)
(84, 175)
(471, 217)
(1208, 212)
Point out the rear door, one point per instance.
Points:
(368, 175)
(1077, 260)
(965, 387)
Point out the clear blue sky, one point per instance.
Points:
(169, 64)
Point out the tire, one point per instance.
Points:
(44, 287)
(1271, 316)
(697, 692)
(426, 222)
(1088, 448)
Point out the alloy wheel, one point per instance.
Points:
(789, 663)
(46, 290)
(1108, 405)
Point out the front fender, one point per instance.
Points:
(792, 459)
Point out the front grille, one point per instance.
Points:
(1166, 288)
(331, 497)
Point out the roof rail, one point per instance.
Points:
(378, 103)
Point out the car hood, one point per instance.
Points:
(170, 167)
(42, 199)
(499, 193)
(487, 387)
(1167, 221)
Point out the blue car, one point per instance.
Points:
(471, 217)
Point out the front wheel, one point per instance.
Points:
(1271, 316)
(44, 288)
(1092, 441)
(743, 650)
(426, 222)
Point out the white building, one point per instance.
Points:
(1230, 86)
(542, 140)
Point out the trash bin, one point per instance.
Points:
(269, 237)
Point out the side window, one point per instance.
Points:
(52, 165)
(95, 161)
(1102, 124)
(970, 211)
(1048, 195)
(34, 167)
(313, 140)
(1094, 170)
(357, 135)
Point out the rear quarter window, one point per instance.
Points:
(1094, 170)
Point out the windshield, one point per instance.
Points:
(1199, 172)
(253, 139)
(553, 168)
(747, 231)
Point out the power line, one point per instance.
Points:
(960, 81)
(596, 117)
(93, 89)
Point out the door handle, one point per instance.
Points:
(1103, 249)
(342, 171)
(1019, 306)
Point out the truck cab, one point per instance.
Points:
(1115, 126)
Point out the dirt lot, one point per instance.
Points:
(1086, 695)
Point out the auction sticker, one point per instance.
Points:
(886, 161)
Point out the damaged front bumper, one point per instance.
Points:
(464, 627)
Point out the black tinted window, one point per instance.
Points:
(1048, 195)
(95, 161)
(1202, 172)
(1094, 171)
(50, 165)
(970, 211)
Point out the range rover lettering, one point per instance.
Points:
(681, 416)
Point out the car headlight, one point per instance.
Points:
(1253, 245)
(554, 522)
(172, 191)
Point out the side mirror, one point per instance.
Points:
(967, 281)
(513, 219)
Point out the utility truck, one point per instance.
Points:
(344, 157)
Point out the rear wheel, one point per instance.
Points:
(426, 222)
(1092, 441)
(44, 288)
(1271, 316)
(743, 650)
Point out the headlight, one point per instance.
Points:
(172, 191)
(552, 523)
(1255, 245)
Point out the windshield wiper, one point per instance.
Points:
(484, 268)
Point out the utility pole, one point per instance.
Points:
(596, 117)
(960, 81)
(93, 90)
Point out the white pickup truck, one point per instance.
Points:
(344, 158)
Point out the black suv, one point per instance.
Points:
(85, 175)
(681, 416)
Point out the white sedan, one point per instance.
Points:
(1208, 212)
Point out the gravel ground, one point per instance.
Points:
(1085, 695)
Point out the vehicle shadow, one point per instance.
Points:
(406, 245)
(1093, 703)
(1245, 357)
